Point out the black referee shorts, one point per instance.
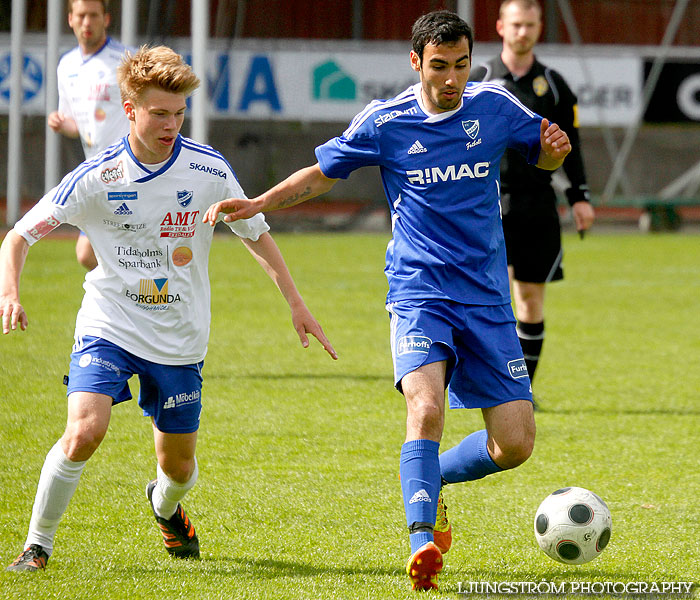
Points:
(533, 237)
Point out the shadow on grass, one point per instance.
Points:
(597, 410)
(268, 568)
(563, 574)
(300, 376)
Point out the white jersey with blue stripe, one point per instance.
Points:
(150, 292)
(88, 92)
(441, 179)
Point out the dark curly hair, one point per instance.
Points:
(439, 27)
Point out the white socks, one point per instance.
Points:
(57, 484)
(58, 481)
(168, 493)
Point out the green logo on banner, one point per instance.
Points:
(331, 83)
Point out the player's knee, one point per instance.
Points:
(516, 452)
(179, 470)
(80, 443)
(530, 311)
(426, 417)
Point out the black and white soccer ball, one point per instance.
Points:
(573, 525)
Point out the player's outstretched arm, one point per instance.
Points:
(13, 253)
(303, 185)
(269, 257)
(555, 146)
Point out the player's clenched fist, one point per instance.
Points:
(554, 141)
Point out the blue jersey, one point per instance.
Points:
(441, 179)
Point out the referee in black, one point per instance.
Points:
(530, 219)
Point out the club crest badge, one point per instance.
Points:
(184, 198)
(471, 128)
(540, 85)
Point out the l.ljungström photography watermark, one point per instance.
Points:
(659, 589)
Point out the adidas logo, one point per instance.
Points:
(169, 403)
(417, 148)
(420, 496)
(122, 210)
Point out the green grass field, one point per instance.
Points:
(298, 495)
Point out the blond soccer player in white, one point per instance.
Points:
(146, 308)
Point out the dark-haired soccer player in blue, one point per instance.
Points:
(438, 146)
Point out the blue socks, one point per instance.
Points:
(420, 484)
(468, 460)
(421, 471)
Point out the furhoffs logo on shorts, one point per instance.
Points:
(413, 343)
(517, 368)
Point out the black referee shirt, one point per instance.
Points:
(544, 91)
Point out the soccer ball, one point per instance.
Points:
(573, 525)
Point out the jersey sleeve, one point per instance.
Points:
(39, 221)
(525, 134)
(357, 147)
(522, 123)
(251, 228)
(60, 205)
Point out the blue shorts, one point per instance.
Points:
(171, 394)
(485, 365)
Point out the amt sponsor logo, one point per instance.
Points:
(413, 343)
(451, 173)
(182, 224)
(517, 368)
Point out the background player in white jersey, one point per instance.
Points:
(438, 146)
(146, 309)
(89, 105)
